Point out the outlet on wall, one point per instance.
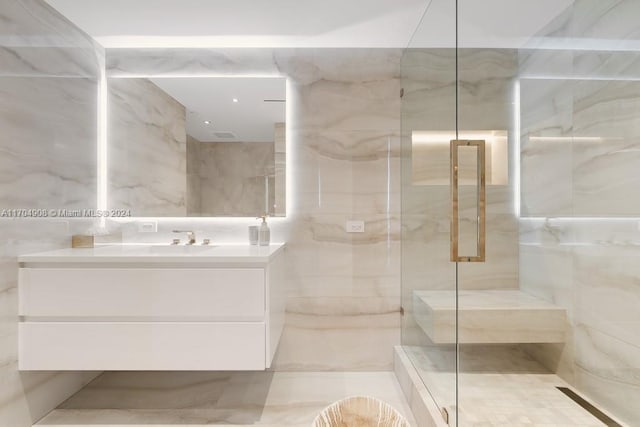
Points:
(148, 226)
(355, 227)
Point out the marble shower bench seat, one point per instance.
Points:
(489, 317)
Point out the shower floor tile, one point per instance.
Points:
(267, 399)
(498, 386)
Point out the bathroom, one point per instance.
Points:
(485, 282)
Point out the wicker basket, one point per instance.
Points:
(360, 411)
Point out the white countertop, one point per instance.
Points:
(145, 254)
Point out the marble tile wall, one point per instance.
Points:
(586, 111)
(343, 310)
(194, 196)
(590, 268)
(48, 110)
(585, 132)
(147, 149)
(605, 178)
(232, 178)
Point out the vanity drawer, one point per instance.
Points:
(144, 346)
(169, 294)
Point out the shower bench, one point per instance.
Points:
(489, 317)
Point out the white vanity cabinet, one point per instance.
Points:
(123, 308)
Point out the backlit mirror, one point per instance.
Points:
(197, 146)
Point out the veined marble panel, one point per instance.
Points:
(559, 26)
(434, 200)
(147, 149)
(32, 22)
(352, 171)
(358, 286)
(613, 65)
(48, 112)
(38, 41)
(486, 89)
(605, 20)
(318, 248)
(181, 62)
(194, 195)
(49, 142)
(47, 61)
(546, 271)
(602, 34)
(232, 178)
(340, 65)
(546, 108)
(377, 252)
(607, 289)
(302, 65)
(538, 63)
(361, 105)
(354, 341)
(608, 370)
(606, 148)
(427, 255)
(336, 291)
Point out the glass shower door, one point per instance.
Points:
(446, 170)
(428, 125)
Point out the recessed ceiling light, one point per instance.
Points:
(207, 122)
(235, 99)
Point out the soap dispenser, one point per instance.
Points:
(264, 234)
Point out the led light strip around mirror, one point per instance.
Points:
(102, 149)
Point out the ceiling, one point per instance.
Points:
(306, 23)
(256, 23)
(250, 119)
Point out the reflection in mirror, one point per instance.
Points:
(197, 146)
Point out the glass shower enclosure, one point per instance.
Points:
(521, 210)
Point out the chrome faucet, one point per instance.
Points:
(191, 235)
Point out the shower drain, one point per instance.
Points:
(589, 407)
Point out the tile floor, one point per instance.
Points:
(266, 399)
(499, 386)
